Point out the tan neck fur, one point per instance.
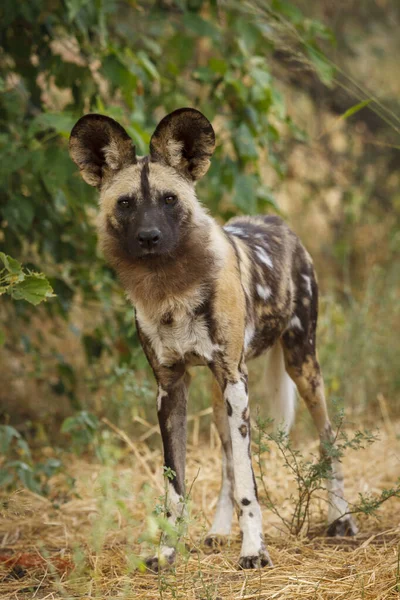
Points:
(170, 282)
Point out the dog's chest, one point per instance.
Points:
(178, 335)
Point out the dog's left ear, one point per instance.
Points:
(185, 140)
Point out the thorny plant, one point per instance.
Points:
(160, 530)
(310, 475)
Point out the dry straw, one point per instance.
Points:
(86, 547)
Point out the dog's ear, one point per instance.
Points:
(185, 140)
(99, 146)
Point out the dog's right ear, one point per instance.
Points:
(99, 146)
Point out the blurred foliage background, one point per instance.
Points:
(304, 100)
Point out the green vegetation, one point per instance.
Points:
(22, 285)
(18, 466)
(133, 64)
(304, 100)
(309, 474)
(297, 134)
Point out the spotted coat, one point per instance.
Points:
(205, 295)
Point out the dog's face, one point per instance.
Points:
(148, 206)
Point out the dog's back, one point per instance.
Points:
(277, 277)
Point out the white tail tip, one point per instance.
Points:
(280, 390)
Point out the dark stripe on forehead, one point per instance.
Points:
(144, 180)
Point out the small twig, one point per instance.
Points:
(375, 504)
(385, 415)
(136, 452)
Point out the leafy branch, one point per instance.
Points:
(23, 284)
(310, 475)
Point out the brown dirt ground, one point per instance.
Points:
(85, 548)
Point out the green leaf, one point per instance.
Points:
(265, 195)
(245, 142)
(90, 420)
(200, 27)
(204, 74)
(50, 467)
(245, 193)
(323, 68)
(74, 6)
(288, 9)
(19, 212)
(81, 428)
(12, 159)
(61, 122)
(148, 66)
(34, 289)
(68, 424)
(7, 434)
(6, 477)
(26, 475)
(218, 65)
(354, 109)
(315, 29)
(262, 77)
(116, 72)
(12, 265)
(23, 445)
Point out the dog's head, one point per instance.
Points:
(147, 204)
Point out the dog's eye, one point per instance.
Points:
(170, 199)
(123, 202)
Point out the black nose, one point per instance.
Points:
(148, 238)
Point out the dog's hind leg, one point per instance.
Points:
(299, 347)
(222, 523)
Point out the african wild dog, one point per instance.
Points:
(207, 295)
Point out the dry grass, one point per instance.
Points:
(86, 547)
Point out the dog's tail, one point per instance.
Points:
(280, 390)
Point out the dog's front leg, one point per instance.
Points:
(173, 386)
(253, 553)
(171, 405)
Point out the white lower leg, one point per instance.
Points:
(337, 505)
(338, 518)
(245, 487)
(222, 522)
(176, 515)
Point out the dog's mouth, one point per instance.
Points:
(150, 255)
(160, 253)
(135, 252)
(149, 252)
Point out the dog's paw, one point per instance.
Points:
(257, 561)
(342, 527)
(214, 541)
(161, 561)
